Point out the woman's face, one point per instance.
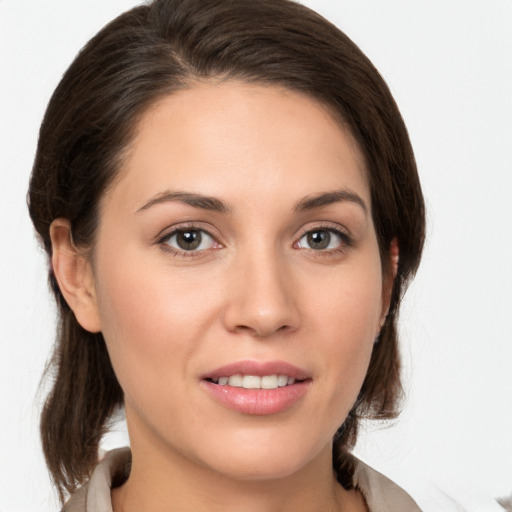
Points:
(235, 253)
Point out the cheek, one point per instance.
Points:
(349, 305)
(348, 316)
(149, 319)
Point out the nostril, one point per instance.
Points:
(260, 310)
(261, 330)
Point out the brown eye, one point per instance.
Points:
(190, 240)
(318, 239)
(322, 239)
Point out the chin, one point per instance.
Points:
(250, 470)
(271, 459)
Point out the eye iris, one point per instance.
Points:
(319, 239)
(188, 240)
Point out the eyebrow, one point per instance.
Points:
(195, 200)
(327, 198)
(217, 205)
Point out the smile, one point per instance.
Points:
(256, 387)
(255, 381)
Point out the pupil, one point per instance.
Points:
(188, 240)
(319, 239)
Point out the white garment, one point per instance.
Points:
(382, 495)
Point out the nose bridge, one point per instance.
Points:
(261, 297)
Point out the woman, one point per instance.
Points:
(230, 203)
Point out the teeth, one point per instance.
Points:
(236, 381)
(282, 380)
(256, 382)
(251, 382)
(269, 382)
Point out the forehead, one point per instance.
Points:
(247, 136)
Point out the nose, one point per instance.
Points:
(261, 297)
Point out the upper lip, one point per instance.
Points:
(258, 368)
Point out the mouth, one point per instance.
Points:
(257, 388)
(255, 381)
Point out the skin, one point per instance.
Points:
(256, 290)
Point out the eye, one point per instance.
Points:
(322, 239)
(189, 240)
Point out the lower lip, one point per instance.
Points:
(257, 401)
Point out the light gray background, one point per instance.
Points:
(449, 65)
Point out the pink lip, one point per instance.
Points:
(257, 401)
(258, 368)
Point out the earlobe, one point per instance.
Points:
(395, 257)
(74, 276)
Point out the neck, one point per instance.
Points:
(163, 480)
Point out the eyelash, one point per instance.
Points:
(345, 240)
(163, 241)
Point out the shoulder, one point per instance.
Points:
(78, 501)
(112, 470)
(383, 494)
(380, 492)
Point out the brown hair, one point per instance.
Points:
(145, 54)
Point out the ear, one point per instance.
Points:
(389, 279)
(394, 252)
(74, 275)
